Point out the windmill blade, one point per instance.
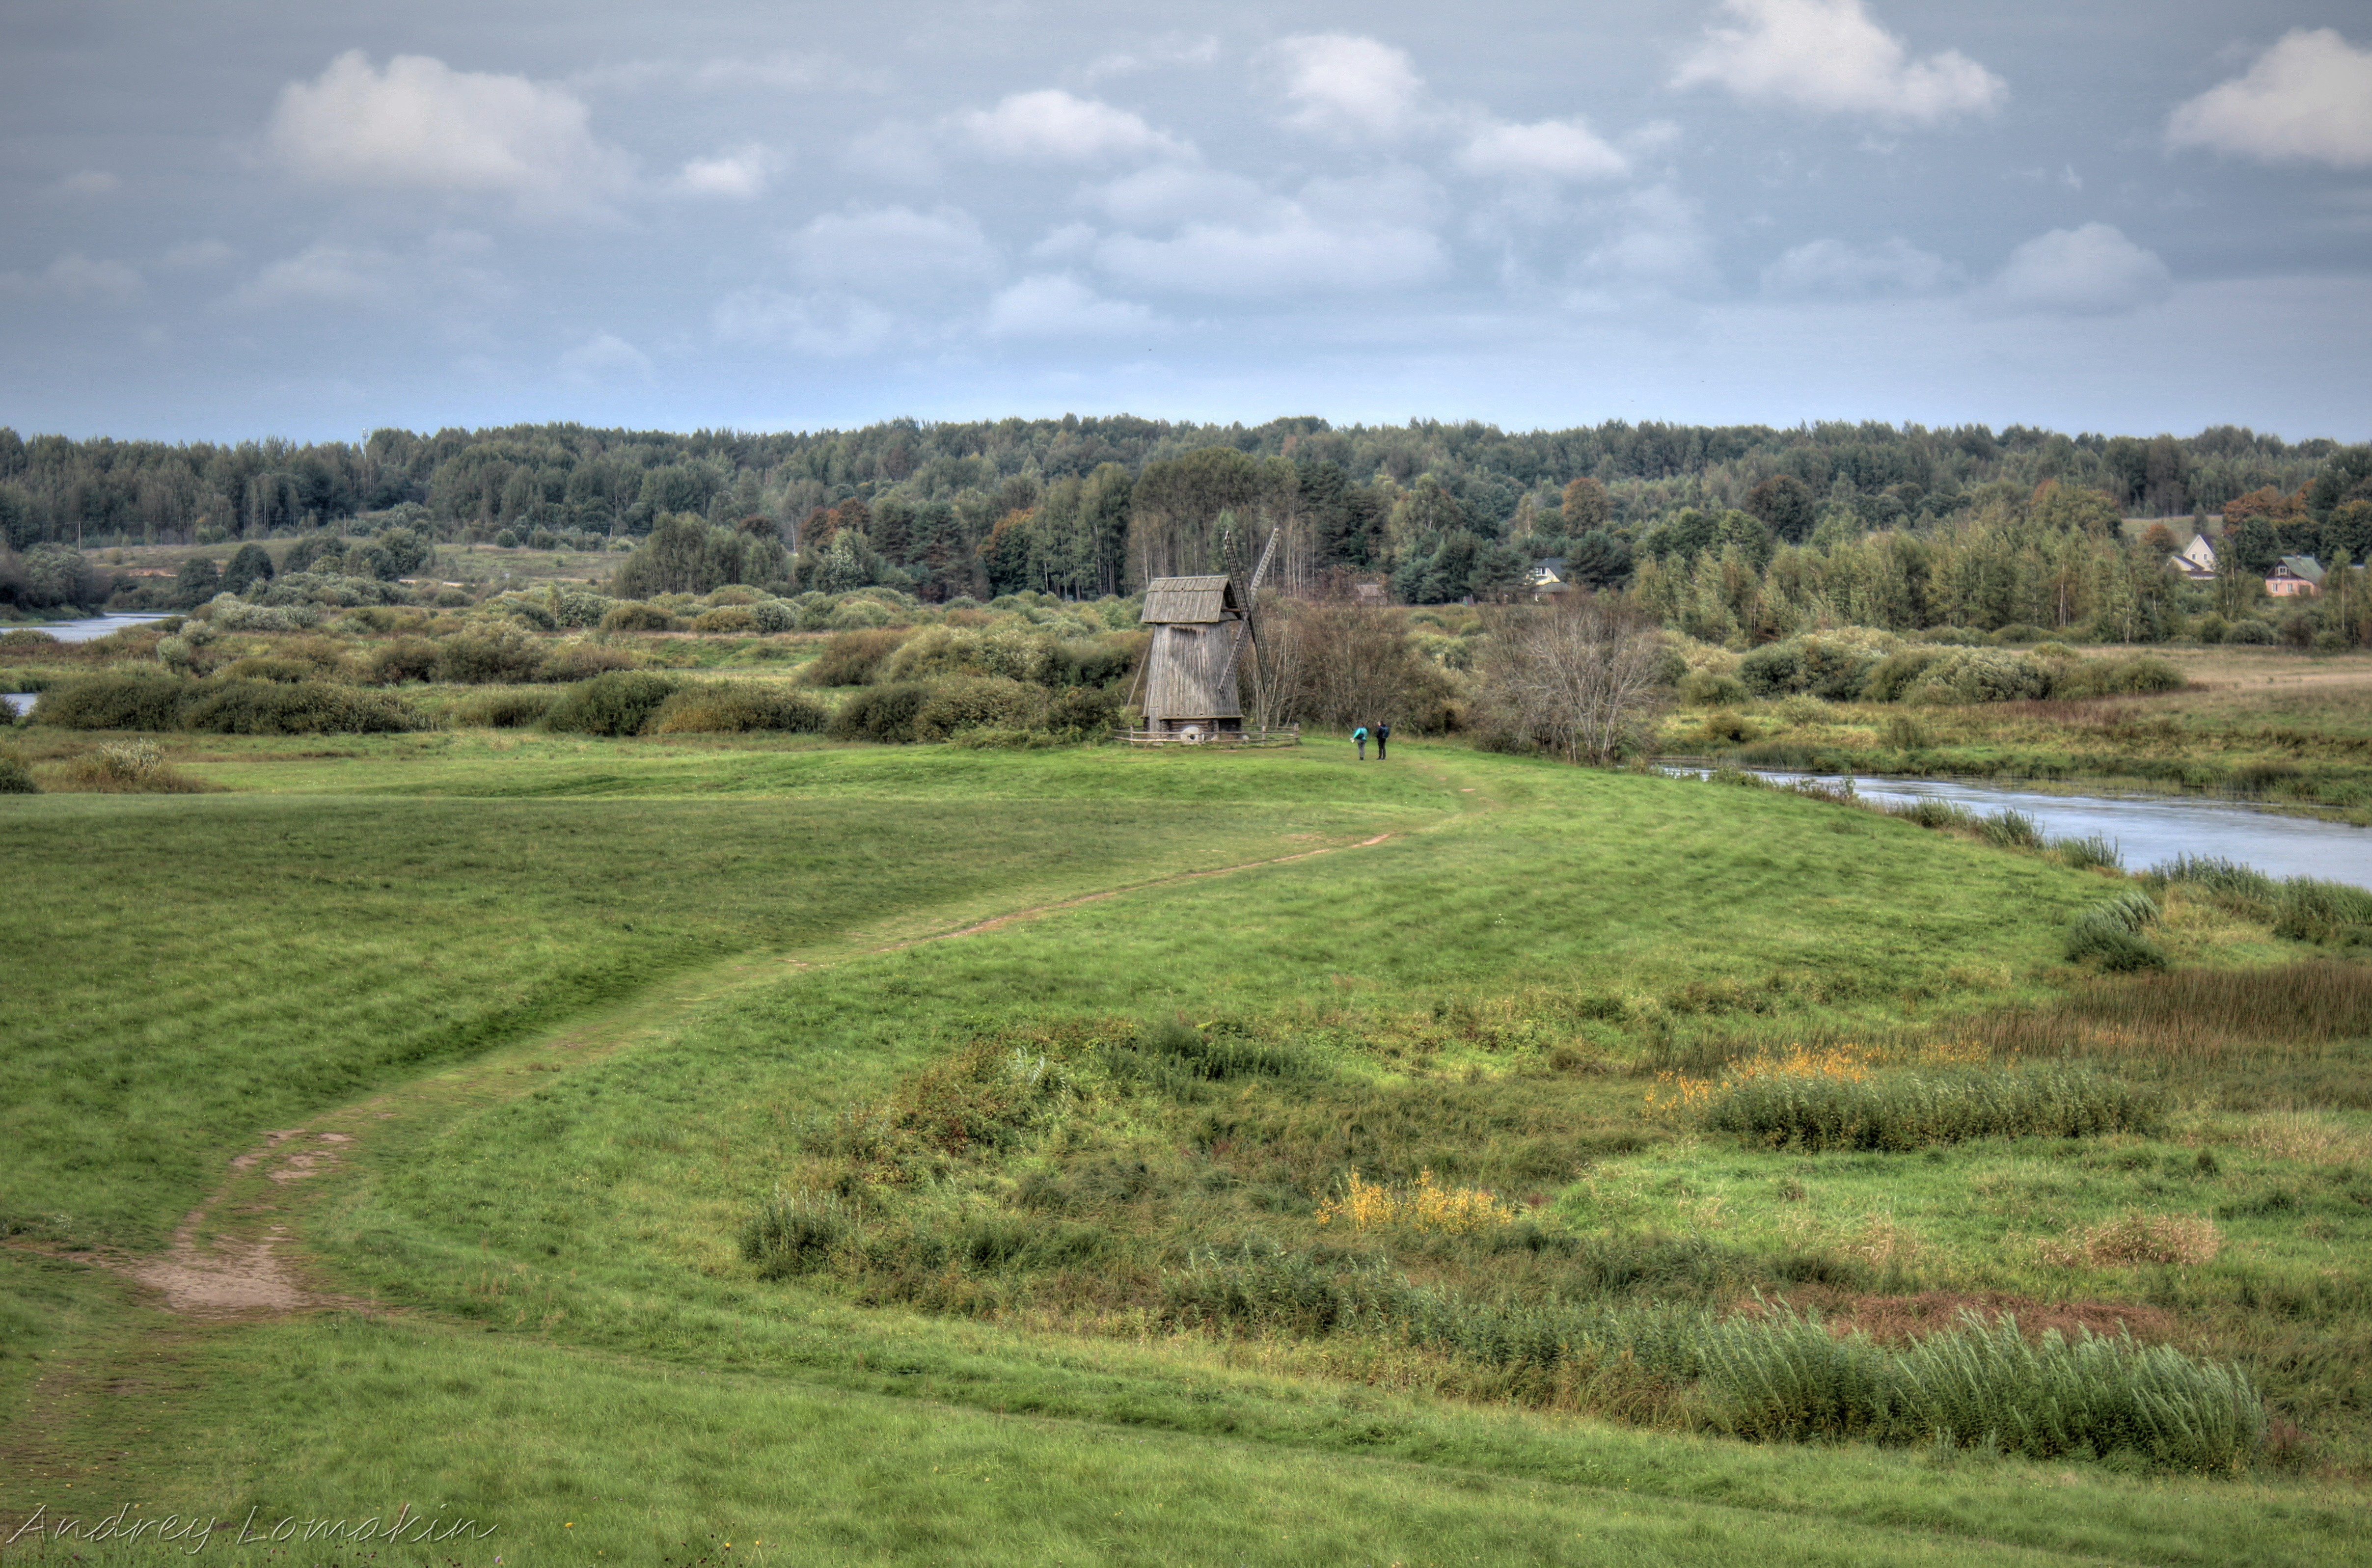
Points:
(1244, 627)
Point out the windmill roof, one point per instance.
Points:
(1174, 599)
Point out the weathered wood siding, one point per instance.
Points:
(1193, 673)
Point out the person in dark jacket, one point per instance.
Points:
(1383, 734)
(1360, 736)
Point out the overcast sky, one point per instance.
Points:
(234, 219)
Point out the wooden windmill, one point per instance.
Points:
(1199, 628)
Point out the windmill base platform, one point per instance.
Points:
(1209, 733)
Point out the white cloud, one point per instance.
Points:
(445, 273)
(2307, 99)
(604, 358)
(90, 182)
(1291, 252)
(76, 276)
(1054, 125)
(1834, 269)
(1065, 242)
(1055, 304)
(739, 175)
(422, 125)
(1829, 55)
(836, 326)
(1657, 246)
(2091, 271)
(1168, 193)
(896, 150)
(1354, 88)
(892, 251)
(1554, 149)
(1227, 236)
(1169, 48)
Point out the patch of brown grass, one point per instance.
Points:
(1901, 1319)
(120, 767)
(2137, 1237)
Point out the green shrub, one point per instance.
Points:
(2139, 676)
(1705, 688)
(406, 658)
(617, 702)
(632, 615)
(492, 656)
(2018, 632)
(304, 707)
(2252, 632)
(1083, 712)
(583, 661)
(114, 701)
(1893, 675)
(267, 669)
(515, 709)
(1980, 675)
(884, 714)
(27, 639)
(16, 778)
(736, 708)
(1911, 1110)
(725, 618)
(775, 615)
(959, 702)
(853, 658)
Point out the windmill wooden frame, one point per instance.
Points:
(1201, 627)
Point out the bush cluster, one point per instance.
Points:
(732, 708)
(1869, 666)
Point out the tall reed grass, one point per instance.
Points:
(1773, 1376)
(1915, 1109)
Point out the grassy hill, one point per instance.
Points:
(795, 1153)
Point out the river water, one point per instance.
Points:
(81, 630)
(2151, 828)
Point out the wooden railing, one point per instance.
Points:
(1290, 735)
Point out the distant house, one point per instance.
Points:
(2298, 576)
(2197, 561)
(1547, 575)
(1369, 594)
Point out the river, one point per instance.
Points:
(2152, 829)
(81, 630)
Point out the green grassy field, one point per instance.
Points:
(526, 1141)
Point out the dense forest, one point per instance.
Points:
(1082, 506)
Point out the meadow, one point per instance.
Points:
(679, 1149)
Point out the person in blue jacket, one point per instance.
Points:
(1360, 734)
(1383, 734)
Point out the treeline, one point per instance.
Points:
(2057, 560)
(1091, 506)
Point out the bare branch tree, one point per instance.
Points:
(1583, 679)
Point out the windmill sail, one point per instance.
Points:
(1251, 597)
